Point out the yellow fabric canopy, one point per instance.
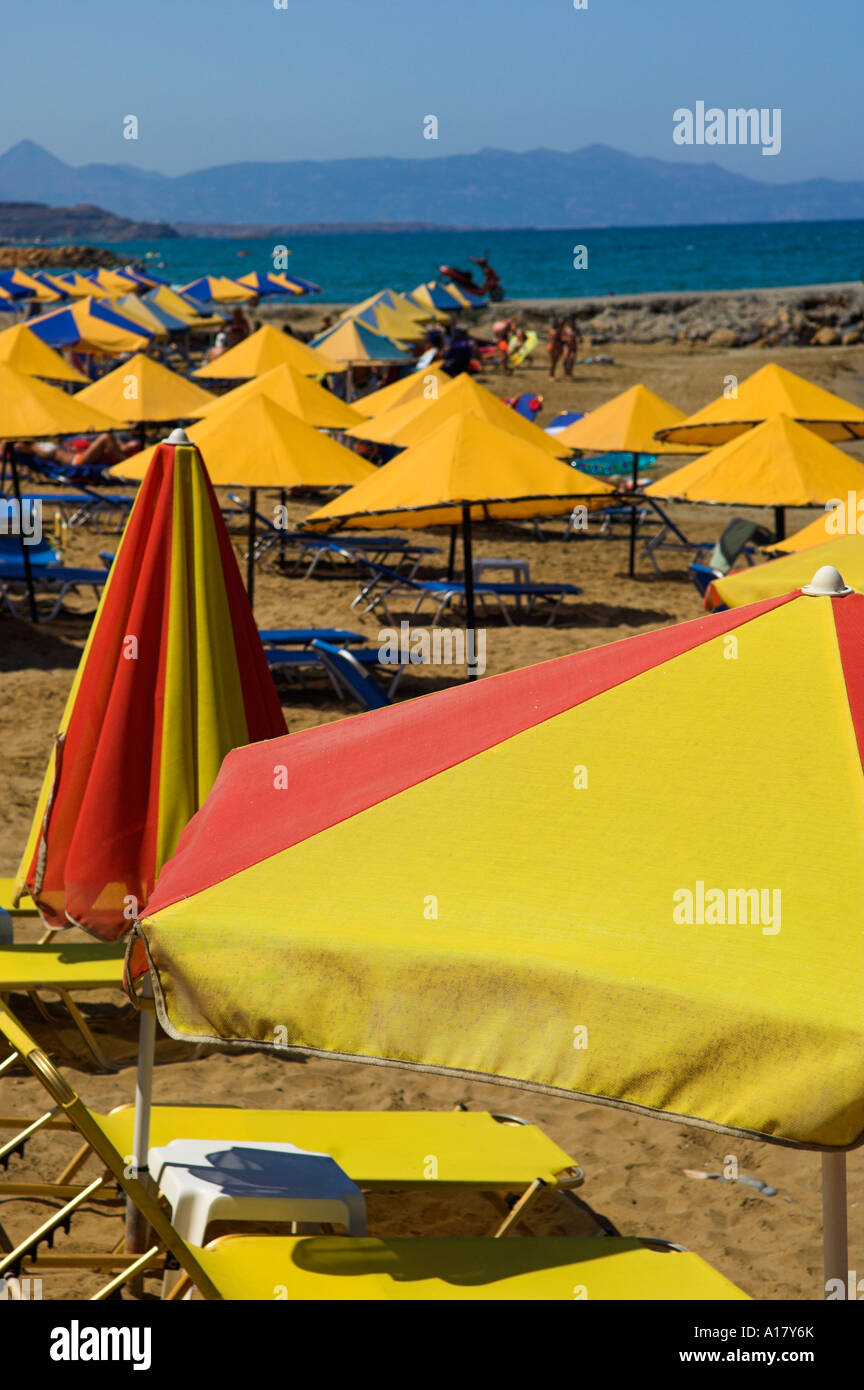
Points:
(410, 423)
(175, 304)
(259, 444)
(777, 464)
(424, 385)
(139, 311)
(30, 409)
(78, 286)
(626, 424)
(97, 334)
(465, 461)
(115, 283)
(829, 526)
(141, 389)
(43, 292)
(295, 392)
(771, 391)
(397, 326)
(223, 290)
(262, 351)
(752, 584)
(22, 350)
(352, 342)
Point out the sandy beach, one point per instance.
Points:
(635, 1166)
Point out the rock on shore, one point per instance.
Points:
(56, 257)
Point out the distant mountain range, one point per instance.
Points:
(592, 187)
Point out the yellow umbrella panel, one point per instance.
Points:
(771, 391)
(299, 394)
(425, 385)
(142, 390)
(845, 518)
(262, 351)
(24, 352)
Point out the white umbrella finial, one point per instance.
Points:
(178, 436)
(827, 582)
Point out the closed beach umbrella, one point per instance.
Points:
(424, 385)
(25, 352)
(757, 582)
(141, 391)
(299, 394)
(777, 464)
(467, 470)
(771, 391)
(172, 677)
(258, 444)
(709, 977)
(413, 421)
(844, 520)
(627, 424)
(262, 351)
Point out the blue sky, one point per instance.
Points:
(215, 81)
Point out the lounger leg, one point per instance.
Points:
(517, 1212)
(136, 1268)
(81, 1024)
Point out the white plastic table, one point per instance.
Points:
(206, 1180)
(519, 569)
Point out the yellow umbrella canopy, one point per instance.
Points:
(412, 422)
(131, 307)
(258, 443)
(353, 341)
(219, 289)
(397, 326)
(295, 392)
(78, 286)
(627, 424)
(847, 518)
(142, 390)
(466, 463)
(778, 463)
(394, 300)
(30, 409)
(96, 334)
(417, 386)
(181, 308)
(43, 292)
(22, 350)
(114, 282)
(771, 391)
(758, 582)
(262, 351)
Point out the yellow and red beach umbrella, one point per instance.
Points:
(750, 585)
(712, 975)
(173, 676)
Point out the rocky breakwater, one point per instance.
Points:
(810, 315)
(56, 257)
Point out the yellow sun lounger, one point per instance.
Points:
(54, 969)
(328, 1267)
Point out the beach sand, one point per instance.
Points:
(770, 1246)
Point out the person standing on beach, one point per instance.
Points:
(570, 341)
(238, 328)
(554, 346)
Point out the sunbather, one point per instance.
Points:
(105, 448)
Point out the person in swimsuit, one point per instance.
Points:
(554, 346)
(570, 342)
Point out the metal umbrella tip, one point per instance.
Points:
(827, 582)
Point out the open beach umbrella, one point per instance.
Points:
(142, 391)
(173, 676)
(218, 289)
(466, 470)
(25, 352)
(843, 520)
(189, 311)
(424, 385)
(13, 290)
(76, 285)
(625, 425)
(262, 351)
(295, 283)
(436, 296)
(392, 300)
(417, 417)
(40, 289)
(771, 391)
(257, 444)
(399, 328)
(113, 282)
(754, 583)
(90, 326)
(355, 344)
(153, 317)
(265, 285)
(712, 976)
(299, 394)
(776, 464)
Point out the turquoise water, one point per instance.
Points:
(539, 264)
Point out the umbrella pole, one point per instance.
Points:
(136, 1225)
(779, 523)
(250, 558)
(9, 455)
(470, 628)
(834, 1234)
(349, 383)
(283, 502)
(633, 516)
(451, 563)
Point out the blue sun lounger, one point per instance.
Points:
(447, 593)
(346, 671)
